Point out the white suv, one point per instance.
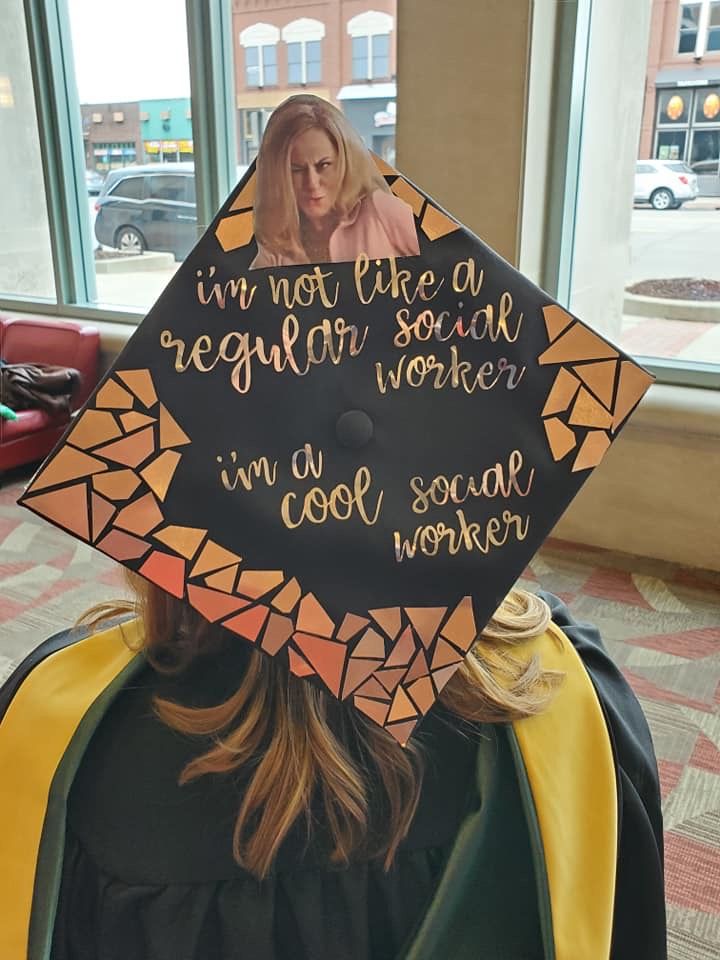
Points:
(664, 184)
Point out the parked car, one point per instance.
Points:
(93, 181)
(664, 184)
(150, 207)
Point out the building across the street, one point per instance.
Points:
(681, 119)
(111, 135)
(166, 130)
(342, 50)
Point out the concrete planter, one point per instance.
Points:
(707, 311)
(136, 262)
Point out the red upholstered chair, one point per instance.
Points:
(33, 435)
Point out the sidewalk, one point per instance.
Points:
(671, 339)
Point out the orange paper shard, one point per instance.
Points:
(422, 693)
(116, 484)
(213, 604)
(390, 678)
(593, 449)
(223, 579)
(372, 708)
(113, 397)
(140, 517)
(600, 378)
(561, 393)
(326, 656)
(312, 618)
(401, 188)
(442, 676)
(277, 633)
(159, 472)
(171, 434)
(166, 571)
(298, 666)
(285, 599)
(632, 385)
(213, 557)
(426, 621)
(141, 384)
(94, 427)
(130, 451)
(589, 412)
(402, 731)
(246, 198)
(68, 508)
(402, 707)
(371, 688)
(371, 645)
(102, 512)
(419, 667)
(183, 540)
(122, 546)
(460, 628)
(67, 464)
(556, 320)
(403, 650)
(358, 672)
(577, 343)
(561, 438)
(133, 421)
(351, 625)
(444, 654)
(435, 224)
(389, 620)
(254, 583)
(235, 231)
(249, 623)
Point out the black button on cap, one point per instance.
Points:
(354, 429)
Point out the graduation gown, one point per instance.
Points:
(537, 840)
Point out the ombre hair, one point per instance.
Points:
(302, 748)
(277, 218)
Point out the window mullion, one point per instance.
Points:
(213, 97)
(60, 133)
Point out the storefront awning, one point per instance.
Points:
(368, 91)
(695, 75)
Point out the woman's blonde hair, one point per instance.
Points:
(301, 747)
(277, 219)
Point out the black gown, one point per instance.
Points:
(148, 872)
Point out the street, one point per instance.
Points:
(676, 243)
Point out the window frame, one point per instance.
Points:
(681, 33)
(57, 105)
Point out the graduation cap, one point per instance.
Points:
(342, 443)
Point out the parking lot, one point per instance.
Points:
(676, 243)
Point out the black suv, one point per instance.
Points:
(149, 207)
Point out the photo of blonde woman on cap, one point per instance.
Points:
(320, 197)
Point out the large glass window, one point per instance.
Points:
(25, 254)
(371, 57)
(134, 97)
(713, 36)
(304, 61)
(645, 224)
(689, 22)
(260, 42)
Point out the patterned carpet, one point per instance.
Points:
(661, 622)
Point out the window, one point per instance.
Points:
(689, 22)
(167, 187)
(148, 103)
(670, 144)
(304, 50)
(707, 105)
(25, 258)
(713, 35)
(130, 188)
(370, 34)
(705, 152)
(260, 43)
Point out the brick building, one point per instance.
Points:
(681, 117)
(342, 50)
(111, 135)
